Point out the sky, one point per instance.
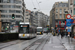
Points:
(44, 6)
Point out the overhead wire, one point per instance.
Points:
(33, 3)
(38, 5)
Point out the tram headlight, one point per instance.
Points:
(19, 34)
(27, 34)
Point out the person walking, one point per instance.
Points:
(62, 34)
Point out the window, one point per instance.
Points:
(6, 1)
(64, 16)
(6, 6)
(3, 11)
(65, 5)
(11, 11)
(1, 6)
(18, 2)
(60, 5)
(18, 16)
(10, 16)
(71, 11)
(64, 10)
(56, 10)
(35, 13)
(60, 10)
(3, 16)
(12, 1)
(18, 6)
(74, 11)
(74, 2)
(56, 16)
(71, 2)
(12, 6)
(56, 5)
(18, 11)
(0, 1)
(26, 15)
(60, 16)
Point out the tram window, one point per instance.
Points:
(21, 30)
(24, 29)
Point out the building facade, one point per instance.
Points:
(71, 7)
(42, 19)
(27, 17)
(34, 19)
(9, 7)
(58, 15)
(38, 19)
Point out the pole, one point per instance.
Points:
(69, 37)
(0, 22)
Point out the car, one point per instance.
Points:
(45, 30)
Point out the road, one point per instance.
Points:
(41, 42)
(32, 44)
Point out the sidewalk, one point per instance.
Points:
(54, 44)
(69, 44)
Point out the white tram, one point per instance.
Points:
(26, 31)
(40, 30)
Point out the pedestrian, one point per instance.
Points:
(62, 34)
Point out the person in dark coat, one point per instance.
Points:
(62, 34)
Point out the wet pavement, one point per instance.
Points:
(58, 43)
(41, 42)
(54, 44)
(22, 45)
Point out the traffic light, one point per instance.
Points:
(13, 16)
(5, 28)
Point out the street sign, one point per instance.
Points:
(68, 27)
(68, 24)
(68, 30)
(72, 20)
(68, 20)
(68, 16)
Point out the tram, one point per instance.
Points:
(26, 31)
(39, 30)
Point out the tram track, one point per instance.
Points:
(3, 45)
(20, 42)
(36, 44)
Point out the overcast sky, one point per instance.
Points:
(43, 5)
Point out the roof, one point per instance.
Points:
(39, 27)
(24, 23)
(28, 10)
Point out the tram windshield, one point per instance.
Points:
(23, 29)
(39, 30)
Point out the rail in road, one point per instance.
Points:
(23, 44)
(7, 44)
(38, 43)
